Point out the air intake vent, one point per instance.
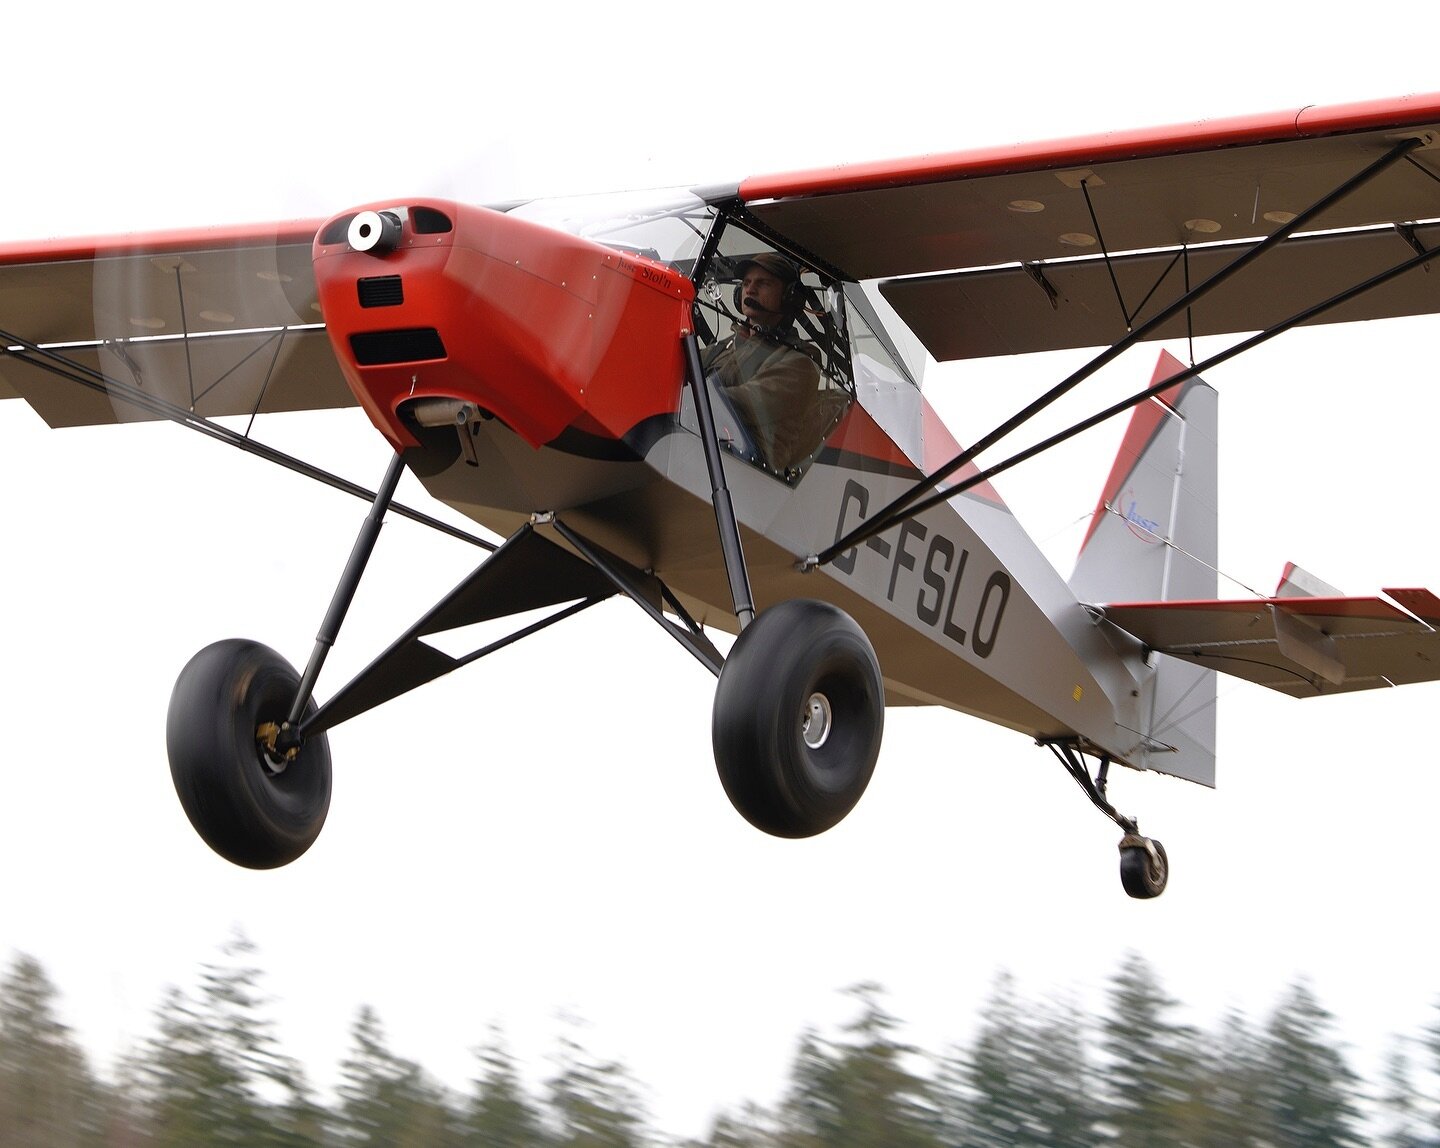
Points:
(412, 345)
(381, 291)
(428, 221)
(337, 230)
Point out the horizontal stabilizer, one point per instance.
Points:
(1421, 603)
(1301, 646)
(1298, 583)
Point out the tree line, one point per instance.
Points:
(1033, 1073)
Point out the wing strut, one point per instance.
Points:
(909, 504)
(47, 359)
(1105, 251)
(1189, 372)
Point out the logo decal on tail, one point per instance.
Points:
(1145, 529)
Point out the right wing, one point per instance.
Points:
(1002, 251)
(1300, 645)
(215, 322)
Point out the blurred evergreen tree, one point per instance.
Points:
(991, 1100)
(502, 1114)
(1310, 1091)
(1227, 1094)
(751, 1126)
(214, 1073)
(1151, 1062)
(387, 1101)
(595, 1104)
(287, 1115)
(811, 1113)
(1025, 1079)
(47, 1093)
(128, 1122)
(1399, 1102)
(859, 1092)
(951, 1091)
(1066, 1081)
(1430, 1101)
(190, 1094)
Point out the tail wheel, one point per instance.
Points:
(799, 711)
(252, 806)
(1144, 868)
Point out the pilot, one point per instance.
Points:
(763, 368)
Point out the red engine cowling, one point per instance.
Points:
(541, 329)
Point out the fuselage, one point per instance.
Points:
(533, 361)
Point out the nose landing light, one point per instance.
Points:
(375, 232)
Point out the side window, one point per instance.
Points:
(773, 345)
(883, 384)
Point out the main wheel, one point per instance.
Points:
(251, 806)
(1144, 875)
(799, 710)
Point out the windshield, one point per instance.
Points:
(667, 225)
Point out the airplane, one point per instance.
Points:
(704, 400)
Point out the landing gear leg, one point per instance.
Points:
(253, 788)
(725, 519)
(1144, 868)
(800, 705)
(344, 594)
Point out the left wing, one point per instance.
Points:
(215, 322)
(1027, 237)
(1301, 646)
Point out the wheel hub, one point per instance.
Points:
(274, 756)
(816, 720)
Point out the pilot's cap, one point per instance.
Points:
(773, 262)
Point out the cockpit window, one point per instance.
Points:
(883, 384)
(772, 336)
(668, 226)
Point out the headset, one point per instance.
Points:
(793, 299)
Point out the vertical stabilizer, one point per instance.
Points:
(1153, 538)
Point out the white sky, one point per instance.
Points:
(544, 832)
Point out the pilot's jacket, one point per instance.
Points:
(773, 388)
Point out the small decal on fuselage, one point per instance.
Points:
(649, 273)
(967, 610)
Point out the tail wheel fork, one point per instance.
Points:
(1144, 868)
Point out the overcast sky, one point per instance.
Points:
(544, 833)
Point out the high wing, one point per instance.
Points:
(1301, 646)
(1074, 243)
(211, 322)
(997, 251)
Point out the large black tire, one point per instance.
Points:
(246, 810)
(799, 658)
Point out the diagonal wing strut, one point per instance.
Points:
(51, 360)
(913, 501)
